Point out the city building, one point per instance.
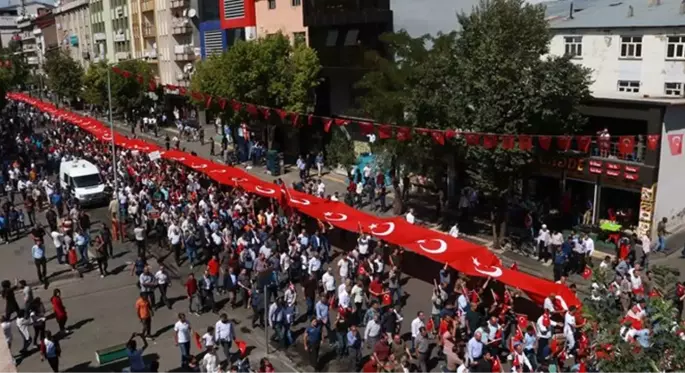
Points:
(110, 25)
(72, 19)
(283, 16)
(342, 31)
(234, 21)
(10, 10)
(37, 35)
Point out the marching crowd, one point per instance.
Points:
(260, 255)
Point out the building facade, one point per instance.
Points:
(284, 16)
(110, 26)
(73, 30)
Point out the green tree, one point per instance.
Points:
(268, 71)
(65, 75)
(340, 150)
(95, 84)
(128, 92)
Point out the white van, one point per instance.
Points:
(84, 179)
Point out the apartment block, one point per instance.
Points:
(283, 16)
(73, 30)
(110, 25)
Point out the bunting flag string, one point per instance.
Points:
(625, 145)
(466, 257)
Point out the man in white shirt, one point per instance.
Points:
(589, 244)
(162, 279)
(224, 335)
(454, 231)
(543, 240)
(182, 337)
(545, 327)
(416, 326)
(343, 267)
(314, 265)
(58, 240)
(328, 281)
(363, 246)
(411, 219)
(570, 328)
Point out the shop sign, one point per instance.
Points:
(613, 173)
(631, 173)
(571, 164)
(646, 210)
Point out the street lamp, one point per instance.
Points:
(111, 127)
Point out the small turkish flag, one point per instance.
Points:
(564, 143)
(676, 144)
(545, 142)
(126, 74)
(384, 131)
(341, 122)
(235, 105)
(652, 142)
(489, 141)
(654, 293)
(208, 101)
(525, 142)
(507, 142)
(197, 96)
(266, 112)
(514, 266)
(403, 133)
(438, 137)
(139, 78)
(450, 134)
(522, 321)
(242, 346)
(430, 325)
(222, 103)
(472, 138)
(387, 299)
(151, 85)
(366, 128)
(198, 341)
(181, 91)
(251, 109)
(282, 114)
(626, 144)
(327, 125)
(584, 143)
(587, 272)
(310, 119)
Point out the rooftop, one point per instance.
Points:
(11, 4)
(615, 13)
(627, 98)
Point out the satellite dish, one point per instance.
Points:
(192, 13)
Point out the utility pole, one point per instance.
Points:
(111, 127)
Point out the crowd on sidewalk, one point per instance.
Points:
(266, 257)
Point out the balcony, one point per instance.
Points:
(186, 56)
(32, 61)
(178, 4)
(181, 30)
(149, 32)
(147, 6)
(8, 21)
(29, 48)
(322, 13)
(610, 151)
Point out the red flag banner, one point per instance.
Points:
(242, 346)
(152, 85)
(403, 133)
(525, 142)
(514, 266)
(197, 96)
(310, 119)
(222, 103)
(252, 110)
(507, 142)
(266, 112)
(198, 341)
(450, 134)
(463, 256)
(282, 114)
(296, 119)
(675, 142)
(341, 122)
(384, 131)
(438, 137)
(236, 106)
(139, 79)
(489, 141)
(208, 101)
(366, 128)
(125, 74)
(472, 138)
(327, 124)
(587, 272)
(182, 91)
(545, 142)
(652, 142)
(584, 143)
(626, 145)
(564, 143)
(117, 70)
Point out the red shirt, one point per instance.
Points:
(58, 307)
(213, 267)
(191, 286)
(370, 367)
(375, 287)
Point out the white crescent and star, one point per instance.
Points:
(493, 272)
(181, 159)
(442, 245)
(300, 201)
(107, 137)
(264, 190)
(199, 166)
(238, 179)
(335, 216)
(390, 228)
(219, 171)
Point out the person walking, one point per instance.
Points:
(163, 283)
(38, 320)
(38, 254)
(11, 305)
(139, 233)
(135, 355)
(147, 286)
(191, 291)
(312, 342)
(23, 321)
(144, 311)
(50, 350)
(182, 337)
(60, 311)
(101, 255)
(224, 335)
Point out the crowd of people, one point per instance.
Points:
(258, 254)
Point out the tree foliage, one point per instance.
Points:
(666, 351)
(14, 75)
(95, 84)
(268, 71)
(128, 93)
(340, 150)
(488, 78)
(65, 75)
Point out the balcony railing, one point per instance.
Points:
(611, 150)
(149, 32)
(147, 6)
(181, 30)
(184, 57)
(178, 4)
(32, 60)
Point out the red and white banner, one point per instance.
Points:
(675, 142)
(466, 257)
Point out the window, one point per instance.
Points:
(332, 38)
(299, 38)
(573, 46)
(272, 4)
(295, 2)
(673, 89)
(676, 47)
(351, 37)
(630, 86)
(631, 46)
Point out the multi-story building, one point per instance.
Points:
(224, 22)
(73, 30)
(110, 25)
(341, 31)
(10, 11)
(283, 16)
